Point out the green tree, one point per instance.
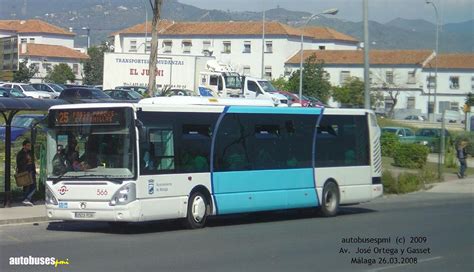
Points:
(351, 94)
(315, 82)
(280, 83)
(24, 72)
(60, 73)
(94, 66)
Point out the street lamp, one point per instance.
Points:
(332, 11)
(436, 60)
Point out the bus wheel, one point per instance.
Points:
(198, 210)
(330, 201)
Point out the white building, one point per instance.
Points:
(402, 74)
(238, 44)
(44, 45)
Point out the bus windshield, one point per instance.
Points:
(232, 81)
(91, 144)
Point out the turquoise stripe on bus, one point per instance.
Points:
(246, 191)
(266, 200)
(273, 110)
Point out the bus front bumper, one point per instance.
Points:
(94, 211)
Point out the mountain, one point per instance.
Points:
(106, 16)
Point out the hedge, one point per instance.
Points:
(410, 155)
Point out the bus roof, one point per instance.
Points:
(194, 100)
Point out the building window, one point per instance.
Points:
(411, 102)
(472, 83)
(147, 46)
(167, 46)
(247, 47)
(430, 107)
(47, 66)
(268, 72)
(186, 45)
(389, 77)
(205, 48)
(322, 47)
(246, 70)
(431, 80)
(411, 78)
(287, 71)
(454, 82)
(268, 47)
(226, 47)
(23, 40)
(32, 40)
(371, 77)
(326, 76)
(455, 106)
(345, 75)
(388, 103)
(75, 68)
(133, 46)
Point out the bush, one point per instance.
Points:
(410, 155)
(450, 158)
(428, 175)
(390, 183)
(389, 143)
(408, 182)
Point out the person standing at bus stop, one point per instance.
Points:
(462, 155)
(24, 162)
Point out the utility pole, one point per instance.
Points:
(366, 57)
(156, 7)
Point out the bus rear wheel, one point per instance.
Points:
(330, 199)
(198, 211)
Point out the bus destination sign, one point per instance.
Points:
(88, 117)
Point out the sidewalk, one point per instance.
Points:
(22, 214)
(18, 213)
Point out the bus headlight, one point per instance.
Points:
(50, 198)
(124, 195)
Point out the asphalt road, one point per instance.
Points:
(438, 227)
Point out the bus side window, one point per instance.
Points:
(161, 140)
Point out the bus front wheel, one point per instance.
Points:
(330, 199)
(198, 210)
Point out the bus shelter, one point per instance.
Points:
(9, 107)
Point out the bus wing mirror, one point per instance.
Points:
(141, 130)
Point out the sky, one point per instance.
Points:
(450, 11)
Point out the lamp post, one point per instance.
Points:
(332, 11)
(436, 59)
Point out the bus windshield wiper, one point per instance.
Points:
(108, 177)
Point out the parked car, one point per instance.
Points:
(315, 102)
(405, 135)
(293, 98)
(6, 92)
(27, 90)
(138, 89)
(416, 118)
(430, 137)
(127, 95)
(51, 88)
(85, 95)
(21, 124)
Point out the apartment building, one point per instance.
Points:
(43, 44)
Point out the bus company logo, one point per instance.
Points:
(37, 261)
(83, 205)
(63, 190)
(151, 187)
(102, 192)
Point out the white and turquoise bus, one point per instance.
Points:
(159, 159)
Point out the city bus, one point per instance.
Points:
(162, 159)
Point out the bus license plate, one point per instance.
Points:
(84, 215)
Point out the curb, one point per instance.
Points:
(24, 220)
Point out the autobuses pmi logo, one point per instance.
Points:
(63, 190)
